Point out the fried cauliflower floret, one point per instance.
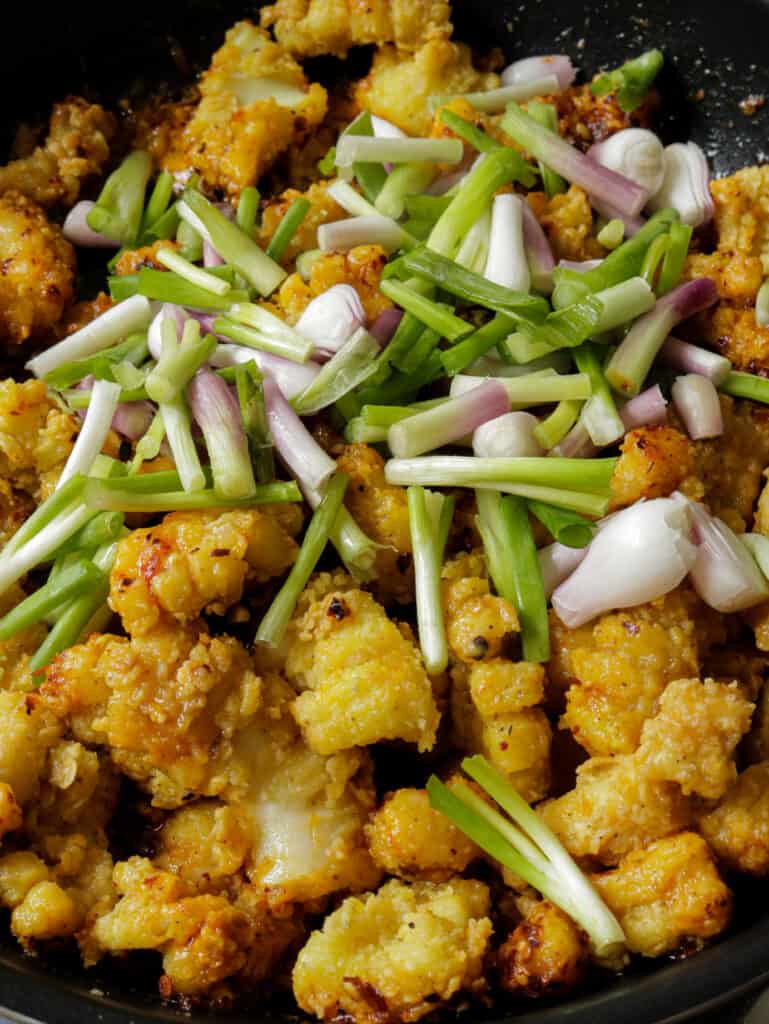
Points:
(668, 896)
(36, 437)
(653, 463)
(239, 127)
(399, 85)
(16, 652)
(131, 261)
(28, 732)
(78, 794)
(568, 222)
(742, 212)
(309, 28)
(400, 952)
(614, 809)
(546, 954)
(734, 332)
(323, 210)
(10, 812)
(477, 622)
(617, 666)
(693, 736)
(737, 277)
(362, 677)
(75, 151)
(361, 268)
(381, 511)
(82, 313)
(198, 561)
(168, 704)
(737, 829)
(494, 713)
(37, 271)
(205, 844)
(407, 837)
(756, 745)
(584, 118)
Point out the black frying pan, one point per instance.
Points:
(717, 47)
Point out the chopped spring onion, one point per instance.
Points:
(628, 367)
(350, 200)
(696, 401)
(686, 185)
(60, 501)
(356, 431)
(655, 254)
(430, 516)
(188, 271)
(599, 413)
(564, 526)
(530, 68)
(573, 165)
(289, 225)
(403, 387)
(102, 529)
(234, 246)
(178, 363)
(433, 314)
(76, 230)
(538, 252)
(449, 421)
(305, 261)
(533, 388)
(167, 286)
(645, 410)
(265, 332)
(611, 234)
(370, 177)
(530, 600)
(178, 428)
(588, 475)
(332, 317)
(424, 347)
(679, 237)
(491, 527)
(466, 352)
(635, 152)
(567, 327)
(112, 494)
(622, 303)
(477, 137)
(273, 625)
(349, 367)
(359, 148)
(148, 446)
(546, 115)
(100, 365)
(762, 305)
(93, 433)
(371, 229)
(511, 434)
(557, 425)
(631, 81)
(298, 449)
(521, 350)
(114, 325)
(506, 264)
(190, 242)
(247, 209)
(248, 382)
(758, 546)
(291, 378)
(160, 197)
(492, 101)
(403, 181)
(74, 579)
(746, 385)
(217, 412)
(118, 210)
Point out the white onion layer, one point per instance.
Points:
(509, 435)
(696, 401)
(332, 317)
(686, 184)
(635, 152)
(506, 263)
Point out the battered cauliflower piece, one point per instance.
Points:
(205, 844)
(668, 897)
(37, 272)
(546, 955)
(78, 794)
(584, 119)
(693, 736)
(494, 713)
(399, 85)
(742, 212)
(737, 829)
(75, 151)
(653, 463)
(756, 745)
(408, 838)
(255, 102)
(29, 731)
(323, 210)
(131, 261)
(16, 652)
(399, 953)
(617, 667)
(381, 511)
(362, 676)
(10, 812)
(198, 561)
(477, 622)
(737, 277)
(361, 268)
(568, 222)
(309, 28)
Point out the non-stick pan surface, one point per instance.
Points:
(716, 57)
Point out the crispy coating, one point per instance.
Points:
(362, 677)
(75, 151)
(401, 952)
(37, 271)
(29, 731)
(10, 812)
(381, 511)
(78, 795)
(361, 268)
(737, 276)
(584, 119)
(131, 261)
(546, 954)
(308, 28)
(653, 463)
(494, 712)
(693, 736)
(668, 897)
(742, 212)
(477, 621)
(409, 839)
(398, 85)
(568, 222)
(323, 210)
(204, 844)
(737, 829)
(16, 652)
(196, 561)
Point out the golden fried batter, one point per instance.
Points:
(361, 268)
(546, 954)
(477, 622)
(653, 463)
(737, 829)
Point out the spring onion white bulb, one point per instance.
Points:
(508, 435)
(533, 68)
(686, 184)
(682, 355)
(648, 409)
(298, 449)
(696, 401)
(474, 250)
(332, 317)
(167, 311)
(762, 305)
(105, 396)
(635, 152)
(292, 378)
(372, 229)
(386, 129)
(76, 228)
(642, 553)
(506, 263)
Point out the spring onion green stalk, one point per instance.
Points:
(612, 234)
(41, 546)
(746, 385)
(247, 209)
(591, 476)
(566, 327)
(653, 258)
(407, 334)
(118, 210)
(102, 529)
(758, 546)
(491, 527)
(148, 447)
(631, 81)
(189, 272)
(679, 237)
(273, 626)
(353, 202)
(403, 387)
(233, 245)
(248, 382)
(386, 415)
(72, 581)
(620, 192)
(164, 227)
(217, 412)
(178, 363)
(422, 350)
(60, 501)
(402, 182)
(432, 314)
(356, 431)
(535, 388)
(526, 846)
(327, 163)
(546, 115)
(599, 413)
(190, 242)
(113, 326)
(466, 352)
(111, 495)
(347, 369)
(628, 367)
(530, 600)
(475, 136)
(371, 229)
(100, 365)
(358, 148)
(370, 176)
(558, 424)
(520, 349)
(165, 286)
(156, 482)
(564, 526)
(471, 287)
(257, 328)
(449, 421)
(492, 101)
(622, 303)
(160, 197)
(305, 261)
(593, 505)
(618, 266)
(70, 624)
(762, 305)
(473, 253)
(289, 225)
(178, 427)
(93, 433)
(430, 516)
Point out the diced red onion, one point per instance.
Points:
(77, 230)
(386, 325)
(642, 553)
(446, 181)
(298, 449)
(649, 409)
(211, 257)
(133, 419)
(632, 224)
(696, 401)
(506, 263)
(577, 444)
(292, 378)
(332, 317)
(448, 422)
(371, 229)
(635, 152)
(533, 68)
(217, 413)
(579, 266)
(686, 184)
(538, 251)
(508, 436)
(681, 355)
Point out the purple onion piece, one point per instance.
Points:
(298, 449)
(649, 409)
(632, 224)
(692, 359)
(531, 69)
(577, 443)
(77, 230)
(696, 401)
(579, 266)
(217, 413)
(538, 251)
(133, 419)
(386, 324)
(211, 257)
(292, 378)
